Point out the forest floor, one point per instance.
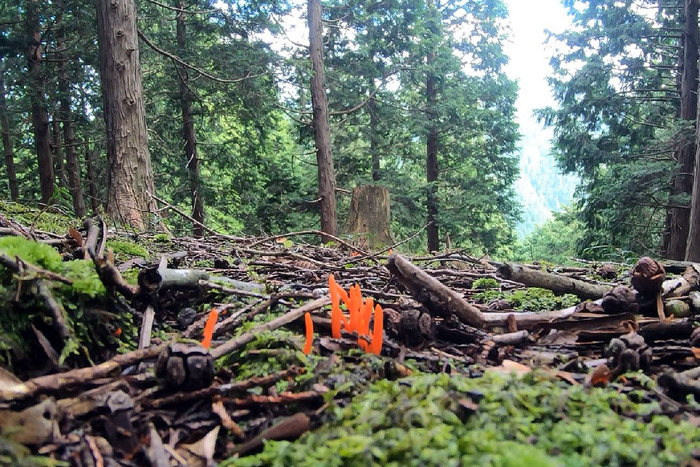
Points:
(144, 349)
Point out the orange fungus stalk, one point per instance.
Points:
(360, 315)
(309, 333)
(378, 331)
(209, 328)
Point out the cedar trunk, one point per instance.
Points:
(72, 165)
(690, 33)
(431, 161)
(188, 132)
(40, 117)
(7, 142)
(322, 132)
(91, 176)
(368, 218)
(679, 227)
(129, 173)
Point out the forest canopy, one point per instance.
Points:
(222, 112)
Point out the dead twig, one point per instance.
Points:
(287, 318)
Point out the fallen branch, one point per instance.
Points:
(287, 318)
(58, 381)
(436, 296)
(556, 283)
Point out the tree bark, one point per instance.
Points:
(368, 217)
(685, 154)
(188, 132)
(690, 33)
(431, 160)
(322, 132)
(7, 142)
(373, 137)
(72, 165)
(91, 175)
(40, 117)
(129, 172)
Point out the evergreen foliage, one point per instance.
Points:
(250, 106)
(616, 125)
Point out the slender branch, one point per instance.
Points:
(180, 10)
(177, 59)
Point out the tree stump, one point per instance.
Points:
(368, 218)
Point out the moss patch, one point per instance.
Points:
(533, 420)
(531, 299)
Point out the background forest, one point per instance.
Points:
(414, 97)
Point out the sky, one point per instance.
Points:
(529, 65)
(529, 57)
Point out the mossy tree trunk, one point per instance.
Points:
(368, 218)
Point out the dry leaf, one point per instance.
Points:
(509, 366)
(201, 453)
(75, 235)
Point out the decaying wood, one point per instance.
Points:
(528, 319)
(368, 217)
(555, 282)
(437, 297)
(682, 285)
(683, 383)
(58, 381)
(289, 428)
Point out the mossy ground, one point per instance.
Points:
(424, 419)
(521, 421)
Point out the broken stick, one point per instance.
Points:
(432, 293)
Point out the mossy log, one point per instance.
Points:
(554, 282)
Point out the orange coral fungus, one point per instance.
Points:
(360, 315)
(378, 331)
(309, 333)
(209, 328)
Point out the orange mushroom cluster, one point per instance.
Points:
(360, 315)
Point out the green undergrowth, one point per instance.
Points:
(84, 304)
(48, 220)
(530, 299)
(526, 421)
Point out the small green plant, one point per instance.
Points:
(485, 283)
(530, 299)
(124, 250)
(161, 238)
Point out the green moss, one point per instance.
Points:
(533, 420)
(485, 283)
(531, 299)
(38, 254)
(162, 238)
(36, 219)
(124, 250)
(84, 303)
